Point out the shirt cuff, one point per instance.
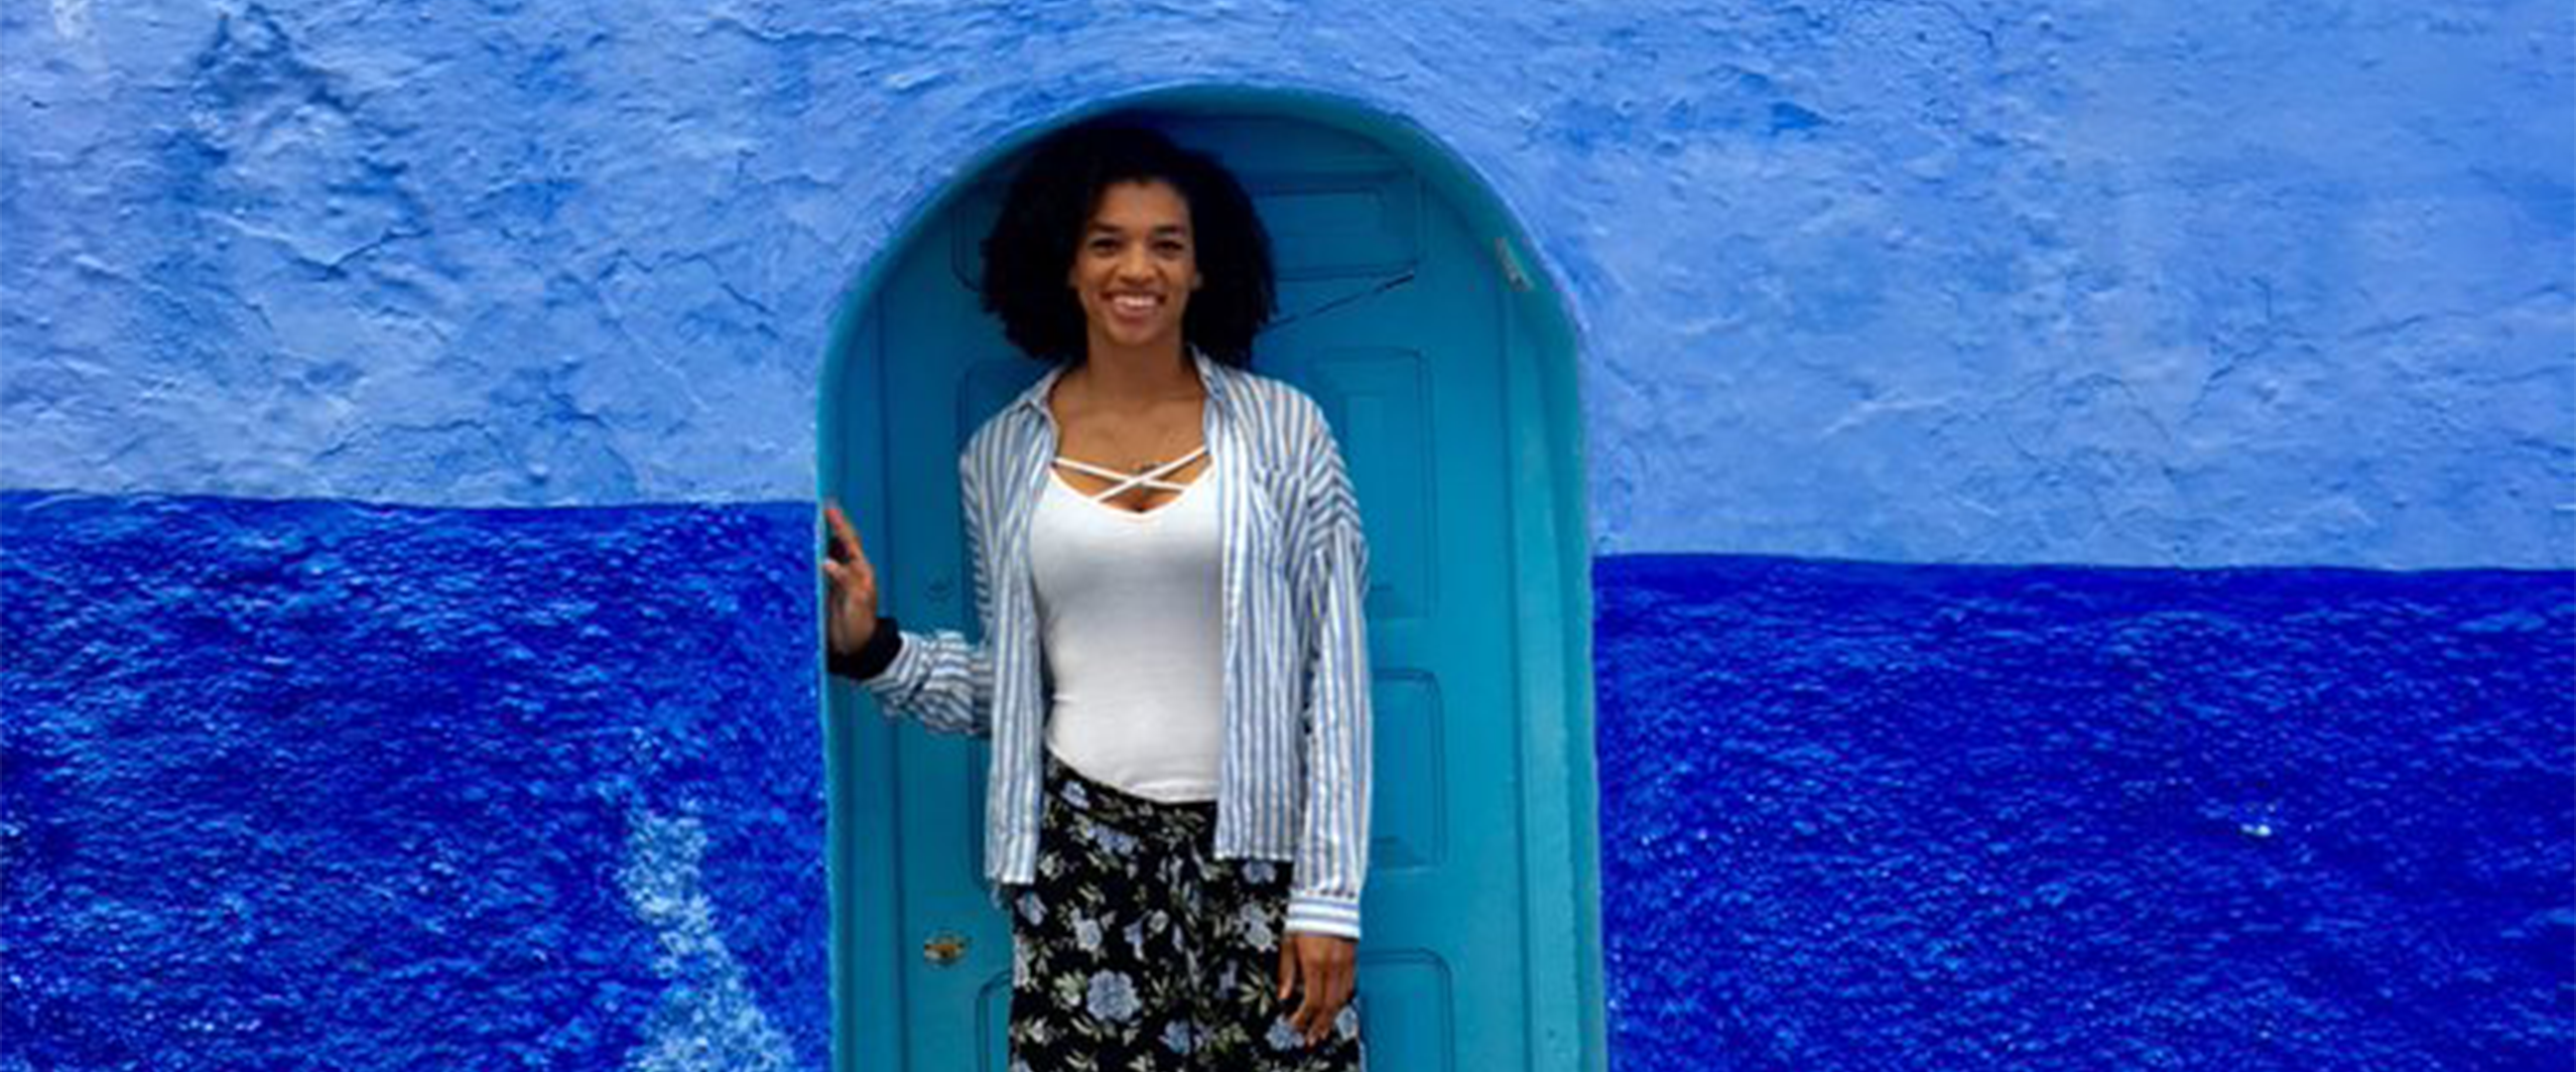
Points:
(1315, 913)
(873, 657)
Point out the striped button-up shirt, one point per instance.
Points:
(1293, 773)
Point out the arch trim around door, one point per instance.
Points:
(1548, 571)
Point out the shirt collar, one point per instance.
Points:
(1213, 376)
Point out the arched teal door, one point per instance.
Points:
(1424, 339)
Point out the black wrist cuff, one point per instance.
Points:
(872, 657)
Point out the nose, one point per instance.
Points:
(1133, 265)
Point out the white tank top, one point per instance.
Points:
(1130, 608)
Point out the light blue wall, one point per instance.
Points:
(2105, 283)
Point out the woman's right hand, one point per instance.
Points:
(852, 612)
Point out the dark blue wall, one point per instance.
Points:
(315, 785)
(322, 785)
(1872, 816)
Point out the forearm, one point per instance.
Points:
(1332, 847)
(937, 678)
(1333, 831)
(872, 657)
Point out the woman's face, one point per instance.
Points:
(1136, 265)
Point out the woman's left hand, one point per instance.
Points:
(1326, 967)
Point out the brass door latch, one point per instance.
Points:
(943, 948)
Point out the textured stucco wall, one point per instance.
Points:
(1879, 816)
(322, 785)
(2104, 282)
(314, 785)
(383, 775)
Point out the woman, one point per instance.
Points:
(1169, 571)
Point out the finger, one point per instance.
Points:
(839, 574)
(1287, 968)
(844, 539)
(1327, 1001)
(1318, 1009)
(843, 534)
(1344, 980)
(1297, 1015)
(1312, 971)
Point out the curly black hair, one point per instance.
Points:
(1050, 202)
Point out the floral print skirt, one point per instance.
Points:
(1137, 950)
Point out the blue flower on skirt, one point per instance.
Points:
(1176, 1036)
(1282, 1036)
(1112, 997)
(1073, 793)
(1031, 908)
(1255, 925)
(1086, 933)
(1118, 842)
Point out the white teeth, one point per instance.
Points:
(1135, 302)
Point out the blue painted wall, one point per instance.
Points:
(300, 720)
(323, 785)
(1873, 816)
(2008, 282)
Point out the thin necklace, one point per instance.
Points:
(1150, 463)
(1145, 465)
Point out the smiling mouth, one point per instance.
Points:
(1135, 303)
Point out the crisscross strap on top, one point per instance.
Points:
(1150, 478)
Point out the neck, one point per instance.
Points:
(1155, 370)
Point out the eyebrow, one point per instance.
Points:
(1098, 227)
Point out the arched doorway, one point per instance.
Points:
(1445, 362)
